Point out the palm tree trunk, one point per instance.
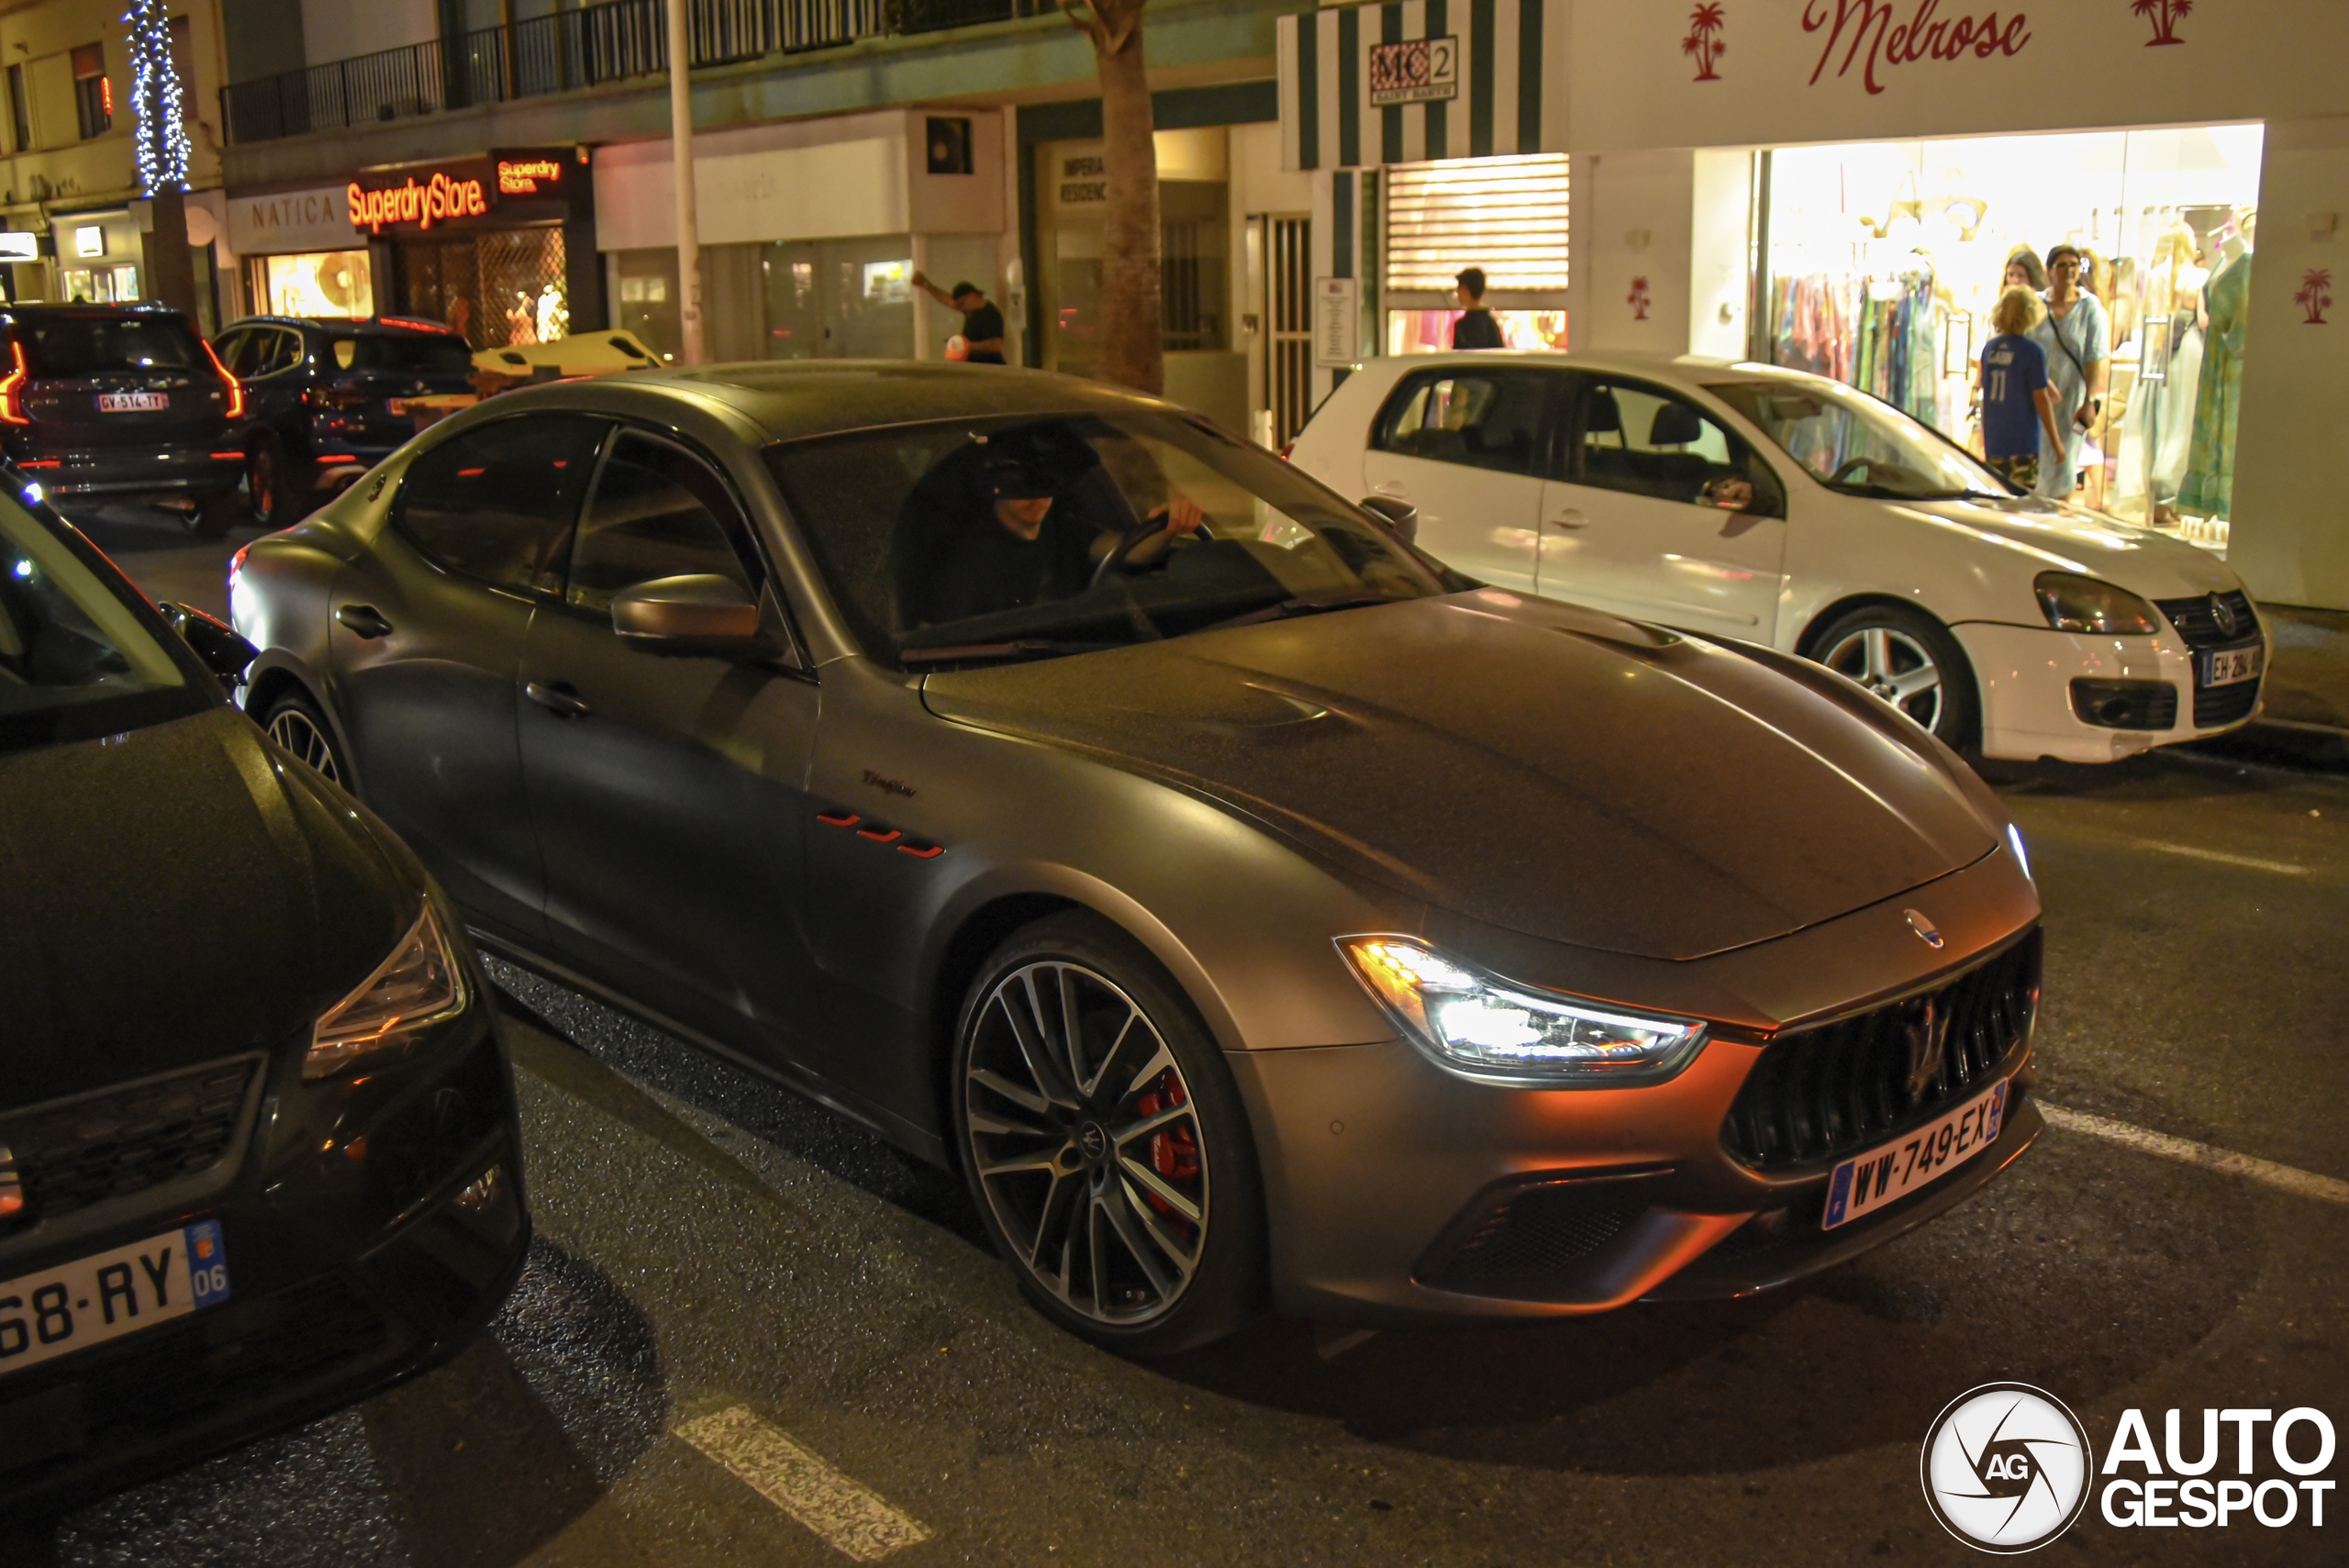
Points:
(170, 271)
(1132, 339)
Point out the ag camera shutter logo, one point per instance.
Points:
(2006, 1467)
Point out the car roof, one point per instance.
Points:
(88, 310)
(350, 326)
(1699, 370)
(794, 399)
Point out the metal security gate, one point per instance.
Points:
(1288, 311)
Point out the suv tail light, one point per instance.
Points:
(234, 388)
(12, 387)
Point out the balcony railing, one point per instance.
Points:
(567, 50)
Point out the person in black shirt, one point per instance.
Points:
(1475, 328)
(982, 322)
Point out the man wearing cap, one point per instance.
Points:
(982, 322)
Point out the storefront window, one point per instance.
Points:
(101, 285)
(785, 300)
(1194, 241)
(1430, 331)
(1886, 259)
(325, 282)
(498, 288)
(1506, 215)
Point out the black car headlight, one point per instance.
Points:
(1497, 1031)
(2083, 603)
(419, 987)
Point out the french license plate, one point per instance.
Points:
(133, 401)
(1882, 1176)
(93, 1300)
(2231, 666)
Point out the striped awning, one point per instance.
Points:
(1364, 86)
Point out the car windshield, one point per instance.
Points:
(418, 354)
(76, 660)
(1857, 444)
(89, 345)
(1024, 538)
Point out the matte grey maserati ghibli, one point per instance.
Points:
(1254, 910)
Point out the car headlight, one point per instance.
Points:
(2083, 603)
(1485, 1028)
(420, 987)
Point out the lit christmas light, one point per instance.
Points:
(160, 135)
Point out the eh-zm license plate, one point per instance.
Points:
(1885, 1174)
(93, 1300)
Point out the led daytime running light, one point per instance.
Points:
(418, 988)
(1492, 1029)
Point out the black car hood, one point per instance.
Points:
(1528, 764)
(175, 895)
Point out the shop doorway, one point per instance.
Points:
(1286, 395)
(498, 288)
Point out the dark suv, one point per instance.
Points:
(324, 394)
(121, 400)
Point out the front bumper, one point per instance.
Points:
(347, 1276)
(1400, 1193)
(2025, 676)
(134, 471)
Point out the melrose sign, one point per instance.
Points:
(1867, 29)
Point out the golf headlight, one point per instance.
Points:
(2083, 603)
(418, 988)
(1483, 1026)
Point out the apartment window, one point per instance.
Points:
(93, 92)
(184, 65)
(20, 113)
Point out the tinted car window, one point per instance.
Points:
(1488, 419)
(89, 345)
(938, 537)
(1642, 441)
(75, 659)
(418, 355)
(658, 511)
(497, 502)
(277, 350)
(235, 349)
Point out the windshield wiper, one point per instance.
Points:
(1287, 607)
(1020, 647)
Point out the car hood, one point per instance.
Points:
(1531, 765)
(176, 895)
(2071, 538)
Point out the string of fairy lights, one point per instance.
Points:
(160, 135)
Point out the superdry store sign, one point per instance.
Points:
(417, 201)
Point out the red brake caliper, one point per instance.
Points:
(1174, 1153)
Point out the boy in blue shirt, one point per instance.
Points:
(2018, 405)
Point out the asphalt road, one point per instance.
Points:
(819, 1316)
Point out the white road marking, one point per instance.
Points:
(2285, 868)
(851, 1517)
(2283, 1178)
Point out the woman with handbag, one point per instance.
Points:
(2075, 338)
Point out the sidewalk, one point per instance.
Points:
(2307, 702)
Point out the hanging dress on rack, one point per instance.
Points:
(2208, 486)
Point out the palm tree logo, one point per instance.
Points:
(2314, 294)
(2164, 16)
(1638, 299)
(1701, 44)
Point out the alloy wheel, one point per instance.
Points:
(1895, 666)
(1087, 1143)
(297, 732)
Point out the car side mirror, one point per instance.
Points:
(214, 641)
(700, 613)
(1401, 517)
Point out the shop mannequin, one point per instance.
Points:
(2208, 486)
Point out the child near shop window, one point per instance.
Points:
(2018, 406)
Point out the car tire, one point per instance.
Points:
(271, 494)
(1910, 660)
(294, 723)
(216, 514)
(1130, 1208)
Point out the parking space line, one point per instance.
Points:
(2283, 1178)
(2282, 868)
(851, 1517)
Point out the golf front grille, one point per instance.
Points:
(2225, 704)
(2213, 620)
(1819, 1094)
(72, 1154)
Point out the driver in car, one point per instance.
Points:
(1025, 525)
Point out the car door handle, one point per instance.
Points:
(1569, 518)
(363, 620)
(558, 699)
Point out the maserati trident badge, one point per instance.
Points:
(1927, 932)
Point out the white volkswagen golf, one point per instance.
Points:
(1779, 507)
